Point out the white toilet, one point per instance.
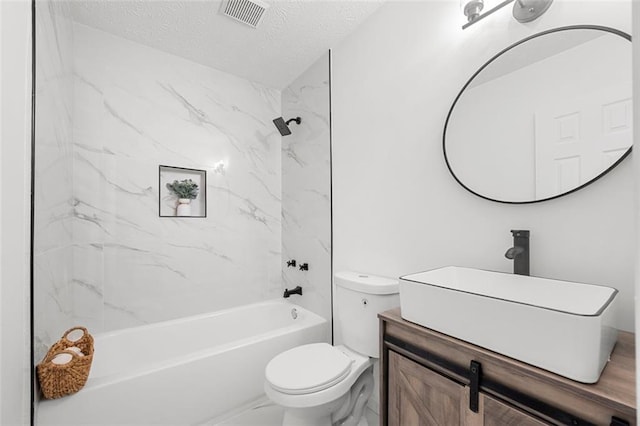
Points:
(324, 385)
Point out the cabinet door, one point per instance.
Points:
(497, 413)
(418, 396)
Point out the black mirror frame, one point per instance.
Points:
(524, 40)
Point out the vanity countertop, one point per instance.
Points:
(615, 388)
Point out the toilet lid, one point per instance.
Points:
(307, 369)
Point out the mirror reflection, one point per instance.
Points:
(545, 117)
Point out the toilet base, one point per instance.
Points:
(347, 410)
(303, 422)
(313, 416)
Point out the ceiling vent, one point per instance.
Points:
(248, 12)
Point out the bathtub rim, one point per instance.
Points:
(312, 320)
(212, 314)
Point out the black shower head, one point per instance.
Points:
(283, 127)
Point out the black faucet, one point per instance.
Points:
(519, 252)
(297, 290)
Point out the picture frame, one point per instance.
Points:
(193, 181)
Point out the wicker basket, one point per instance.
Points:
(58, 380)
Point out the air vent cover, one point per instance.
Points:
(248, 12)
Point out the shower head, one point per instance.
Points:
(283, 127)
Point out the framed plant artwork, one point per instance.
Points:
(182, 192)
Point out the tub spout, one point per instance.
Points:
(297, 290)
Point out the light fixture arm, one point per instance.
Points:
(487, 13)
(523, 10)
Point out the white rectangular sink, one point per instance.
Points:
(563, 327)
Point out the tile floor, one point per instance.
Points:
(266, 413)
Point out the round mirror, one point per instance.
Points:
(544, 117)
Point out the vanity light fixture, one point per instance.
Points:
(523, 10)
(472, 9)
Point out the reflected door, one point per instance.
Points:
(578, 139)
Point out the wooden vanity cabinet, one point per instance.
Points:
(419, 396)
(428, 378)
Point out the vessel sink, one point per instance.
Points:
(563, 327)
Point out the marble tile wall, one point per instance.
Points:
(306, 188)
(53, 205)
(111, 111)
(137, 108)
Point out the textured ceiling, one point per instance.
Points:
(291, 37)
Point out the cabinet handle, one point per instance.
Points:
(618, 422)
(475, 370)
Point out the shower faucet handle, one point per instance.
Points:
(291, 263)
(304, 266)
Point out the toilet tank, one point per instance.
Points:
(359, 299)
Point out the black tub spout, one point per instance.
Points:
(297, 290)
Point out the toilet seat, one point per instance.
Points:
(359, 363)
(308, 369)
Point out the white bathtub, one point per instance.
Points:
(185, 371)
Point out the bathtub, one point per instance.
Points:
(185, 371)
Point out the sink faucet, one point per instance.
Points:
(519, 252)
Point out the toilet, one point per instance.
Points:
(323, 385)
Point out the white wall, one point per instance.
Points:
(397, 210)
(15, 123)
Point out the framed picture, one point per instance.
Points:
(182, 192)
